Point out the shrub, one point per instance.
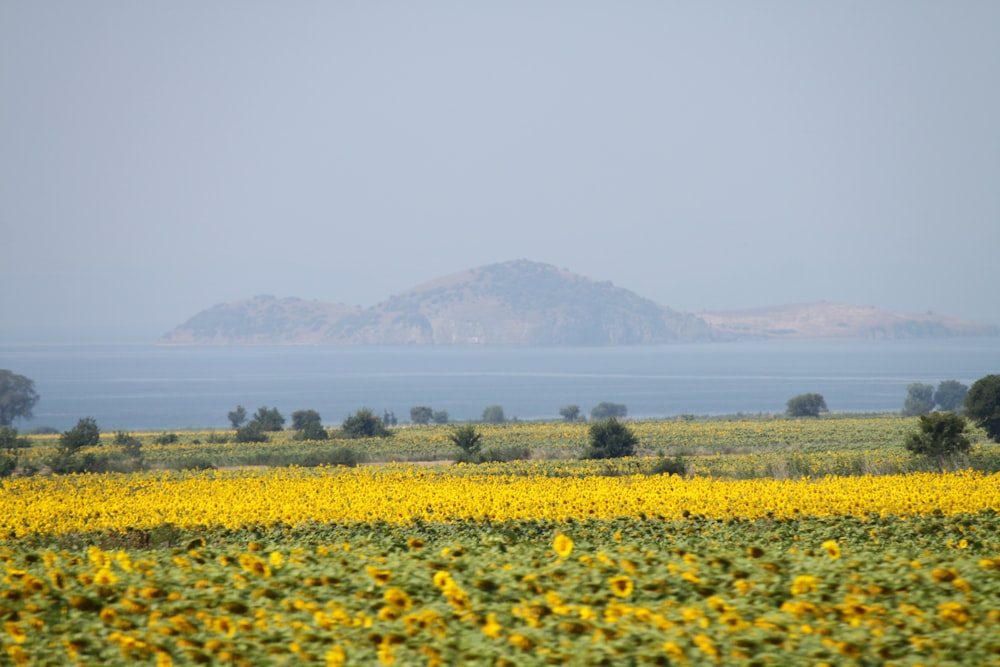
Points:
(166, 439)
(610, 439)
(664, 466)
(940, 435)
(466, 438)
(364, 424)
(252, 432)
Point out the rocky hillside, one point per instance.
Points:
(528, 303)
(514, 303)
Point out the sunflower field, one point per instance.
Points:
(538, 562)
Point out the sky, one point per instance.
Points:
(158, 158)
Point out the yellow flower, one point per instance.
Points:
(804, 583)
(336, 657)
(674, 651)
(397, 598)
(832, 549)
(381, 577)
(520, 641)
(563, 545)
(491, 628)
(621, 586)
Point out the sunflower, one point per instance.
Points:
(563, 545)
(621, 586)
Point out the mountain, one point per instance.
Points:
(529, 303)
(839, 320)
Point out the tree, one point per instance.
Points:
(251, 432)
(421, 414)
(309, 425)
(84, 434)
(949, 395)
(440, 417)
(17, 397)
(608, 410)
(806, 405)
(493, 414)
(466, 438)
(65, 460)
(611, 439)
(10, 446)
(238, 416)
(919, 399)
(982, 405)
(570, 413)
(940, 435)
(364, 424)
(269, 419)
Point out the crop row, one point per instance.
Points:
(887, 591)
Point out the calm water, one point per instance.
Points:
(136, 387)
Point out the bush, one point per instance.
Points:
(467, 438)
(440, 417)
(364, 424)
(166, 439)
(941, 435)
(611, 439)
(252, 432)
(84, 434)
(664, 466)
(982, 405)
(806, 405)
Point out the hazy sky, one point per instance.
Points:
(157, 158)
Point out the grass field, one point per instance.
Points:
(786, 542)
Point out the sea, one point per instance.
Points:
(142, 387)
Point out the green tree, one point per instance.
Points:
(919, 399)
(608, 410)
(440, 417)
(940, 435)
(982, 405)
(269, 419)
(364, 424)
(251, 432)
(466, 438)
(309, 425)
(68, 457)
(611, 439)
(85, 434)
(10, 446)
(949, 395)
(570, 413)
(237, 417)
(806, 405)
(17, 397)
(493, 414)
(421, 414)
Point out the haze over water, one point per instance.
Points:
(135, 387)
